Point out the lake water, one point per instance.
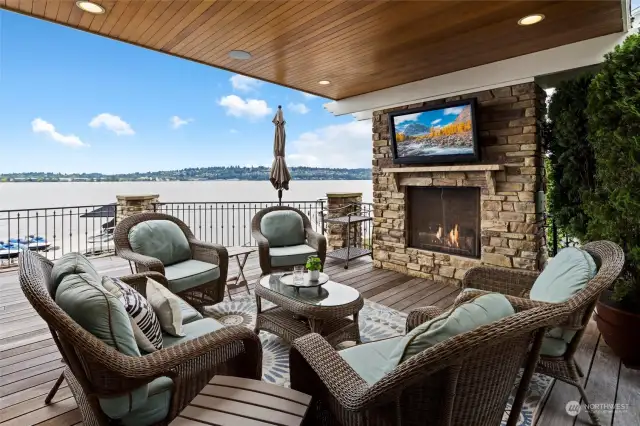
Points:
(63, 194)
(66, 229)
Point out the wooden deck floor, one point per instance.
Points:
(30, 362)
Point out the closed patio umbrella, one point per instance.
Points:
(280, 175)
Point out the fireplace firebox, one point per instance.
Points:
(444, 219)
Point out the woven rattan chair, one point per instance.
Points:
(312, 242)
(95, 369)
(516, 285)
(206, 294)
(464, 380)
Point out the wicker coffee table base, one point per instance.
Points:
(290, 326)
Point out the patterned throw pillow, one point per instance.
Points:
(146, 327)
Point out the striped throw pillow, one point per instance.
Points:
(146, 327)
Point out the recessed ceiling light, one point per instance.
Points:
(531, 19)
(240, 54)
(90, 7)
(324, 82)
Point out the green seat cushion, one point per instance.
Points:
(157, 406)
(565, 275)
(553, 347)
(192, 330)
(85, 300)
(283, 228)
(161, 239)
(189, 274)
(72, 263)
(480, 311)
(189, 313)
(370, 360)
(291, 255)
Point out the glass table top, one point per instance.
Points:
(328, 294)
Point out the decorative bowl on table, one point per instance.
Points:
(288, 279)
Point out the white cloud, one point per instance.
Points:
(111, 122)
(434, 122)
(340, 145)
(453, 111)
(298, 107)
(40, 126)
(250, 108)
(402, 118)
(177, 122)
(244, 83)
(309, 95)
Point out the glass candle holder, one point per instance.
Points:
(298, 274)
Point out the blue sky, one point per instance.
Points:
(75, 102)
(435, 118)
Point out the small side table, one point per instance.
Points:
(234, 401)
(238, 280)
(349, 252)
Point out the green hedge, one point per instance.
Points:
(571, 171)
(614, 133)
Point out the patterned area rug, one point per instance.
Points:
(376, 322)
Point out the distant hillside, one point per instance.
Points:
(202, 173)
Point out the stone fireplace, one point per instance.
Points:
(438, 221)
(444, 219)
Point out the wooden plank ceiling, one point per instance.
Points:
(360, 46)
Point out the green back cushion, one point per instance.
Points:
(161, 239)
(72, 263)
(81, 295)
(466, 317)
(282, 228)
(565, 275)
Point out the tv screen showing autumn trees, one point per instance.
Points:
(439, 132)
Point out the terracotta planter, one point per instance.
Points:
(620, 330)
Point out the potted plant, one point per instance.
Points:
(614, 207)
(314, 265)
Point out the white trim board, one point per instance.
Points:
(520, 69)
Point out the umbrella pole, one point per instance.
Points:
(279, 197)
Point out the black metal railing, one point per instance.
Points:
(89, 229)
(555, 237)
(55, 231)
(229, 223)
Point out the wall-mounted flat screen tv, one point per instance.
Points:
(442, 134)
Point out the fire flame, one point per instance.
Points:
(454, 235)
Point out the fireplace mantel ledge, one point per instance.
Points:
(488, 170)
(430, 169)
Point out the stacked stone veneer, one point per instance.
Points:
(128, 205)
(509, 135)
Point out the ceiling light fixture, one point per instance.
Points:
(90, 7)
(239, 54)
(324, 82)
(531, 19)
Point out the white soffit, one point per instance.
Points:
(521, 69)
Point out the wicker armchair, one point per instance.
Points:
(95, 369)
(516, 285)
(206, 294)
(315, 242)
(464, 380)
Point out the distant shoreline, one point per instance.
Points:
(232, 173)
(178, 180)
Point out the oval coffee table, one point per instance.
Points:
(324, 310)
